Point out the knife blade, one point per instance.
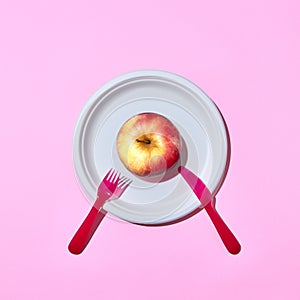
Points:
(197, 185)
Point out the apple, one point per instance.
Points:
(148, 144)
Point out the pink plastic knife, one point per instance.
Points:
(206, 199)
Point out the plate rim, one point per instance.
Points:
(130, 76)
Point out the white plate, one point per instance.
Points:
(196, 117)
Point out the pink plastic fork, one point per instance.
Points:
(111, 187)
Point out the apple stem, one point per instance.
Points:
(145, 141)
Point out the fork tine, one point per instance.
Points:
(125, 183)
(108, 174)
(122, 179)
(112, 175)
(115, 177)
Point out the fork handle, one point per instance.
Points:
(228, 238)
(86, 231)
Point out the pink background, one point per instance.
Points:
(55, 54)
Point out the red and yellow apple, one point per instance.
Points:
(148, 144)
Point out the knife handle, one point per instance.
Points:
(228, 238)
(86, 231)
